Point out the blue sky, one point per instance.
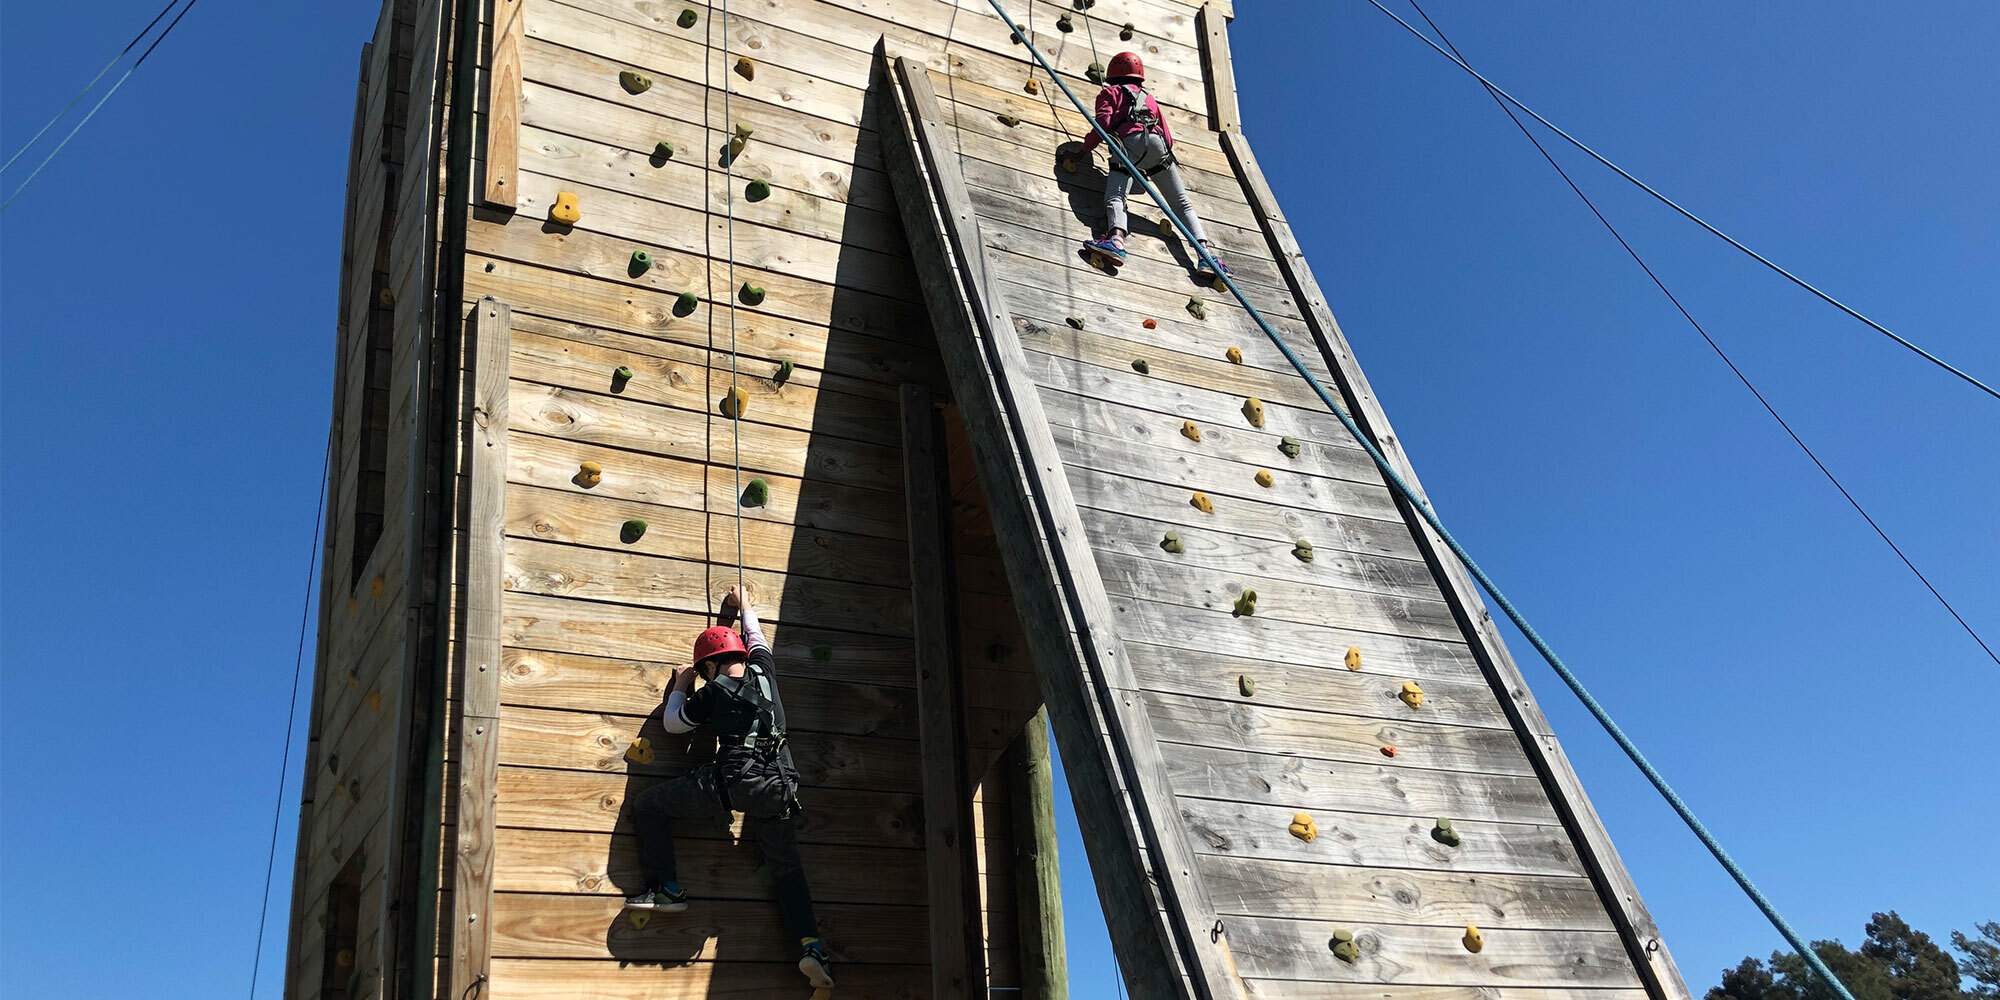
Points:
(166, 303)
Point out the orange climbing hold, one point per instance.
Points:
(1388, 749)
(1150, 323)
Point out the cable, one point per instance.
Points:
(92, 113)
(291, 713)
(729, 201)
(1720, 353)
(1690, 216)
(1423, 509)
(86, 87)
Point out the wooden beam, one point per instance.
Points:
(478, 685)
(503, 105)
(1212, 26)
(1037, 876)
(957, 954)
(1641, 936)
(1160, 920)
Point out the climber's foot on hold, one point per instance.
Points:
(660, 899)
(816, 963)
(1105, 254)
(1209, 274)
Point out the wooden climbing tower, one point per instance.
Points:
(995, 484)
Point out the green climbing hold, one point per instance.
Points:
(751, 294)
(1065, 25)
(641, 263)
(1125, 33)
(1139, 365)
(1246, 603)
(1196, 307)
(1075, 322)
(622, 375)
(1172, 542)
(822, 652)
(1303, 550)
(1290, 446)
(1344, 946)
(1095, 73)
(784, 372)
(757, 191)
(631, 531)
(662, 152)
(1245, 684)
(685, 303)
(757, 494)
(1444, 834)
(687, 18)
(634, 82)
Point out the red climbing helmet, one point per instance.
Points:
(1126, 65)
(719, 642)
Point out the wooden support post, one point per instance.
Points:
(1037, 876)
(1593, 843)
(958, 969)
(1160, 918)
(503, 105)
(479, 649)
(1212, 27)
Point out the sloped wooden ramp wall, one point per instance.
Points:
(1210, 730)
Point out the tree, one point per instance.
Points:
(1981, 963)
(1917, 968)
(1750, 980)
(1865, 978)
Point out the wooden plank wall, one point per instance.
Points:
(1316, 733)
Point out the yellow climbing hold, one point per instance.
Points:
(745, 68)
(1202, 503)
(1253, 411)
(1412, 694)
(638, 919)
(640, 752)
(1033, 87)
(1246, 603)
(1304, 828)
(588, 474)
(1234, 354)
(1475, 942)
(1354, 658)
(1190, 431)
(734, 402)
(1264, 478)
(565, 210)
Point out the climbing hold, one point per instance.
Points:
(1388, 750)
(1139, 365)
(1264, 479)
(1095, 73)
(1354, 658)
(1190, 431)
(1303, 827)
(1475, 942)
(1065, 25)
(639, 918)
(751, 294)
(687, 18)
(375, 586)
(1246, 603)
(640, 752)
(1075, 322)
(1344, 946)
(619, 376)
(1412, 695)
(1202, 503)
(736, 144)
(1196, 307)
(822, 653)
(1444, 834)
(565, 210)
(1125, 33)
(386, 298)
(757, 494)
(588, 474)
(784, 372)
(634, 82)
(757, 190)
(1253, 411)
(662, 152)
(1234, 354)
(1150, 323)
(375, 701)
(1246, 684)
(1083, 4)
(1290, 446)
(631, 531)
(1303, 550)
(641, 263)
(734, 402)
(1172, 542)
(745, 68)
(685, 303)
(1032, 87)
(1008, 120)
(1020, 32)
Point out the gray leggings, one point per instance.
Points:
(1148, 151)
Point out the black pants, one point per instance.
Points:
(698, 795)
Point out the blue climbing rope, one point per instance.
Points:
(1430, 517)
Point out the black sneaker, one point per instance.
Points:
(665, 900)
(817, 963)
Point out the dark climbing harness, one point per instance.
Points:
(1139, 111)
(760, 781)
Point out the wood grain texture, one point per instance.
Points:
(1392, 953)
(1304, 783)
(1379, 840)
(503, 103)
(1212, 24)
(1288, 891)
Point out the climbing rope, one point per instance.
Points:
(729, 207)
(291, 716)
(1423, 509)
(1720, 353)
(1676, 206)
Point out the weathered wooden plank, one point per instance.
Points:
(561, 926)
(1141, 275)
(583, 800)
(1283, 890)
(1369, 694)
(1228, 456)
(1302, 783)
(1213, 27)
(1037, 873)
(1286, 949)
(1249, 830)
(712, 867)
(1283, 989)
(1213, 409)
(1167, 357)
(538, 979)
(503, 103)
(1190, 583)
(1334, 564)
(1173, 327)
(1340, 514)
(1249, 725)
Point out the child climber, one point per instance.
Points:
(752, 773)
(1129, 113)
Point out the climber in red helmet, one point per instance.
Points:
(752, 773)
(1128, 112)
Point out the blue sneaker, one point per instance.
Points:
(1104, 252)
(816, 962)
(1205, 272)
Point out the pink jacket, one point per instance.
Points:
(1112, 104)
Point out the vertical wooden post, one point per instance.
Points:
(957, 942)
(1037, 875)
(479, 648)
(1212, 27)
(503, 105)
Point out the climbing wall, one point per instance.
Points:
(1334, 779)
